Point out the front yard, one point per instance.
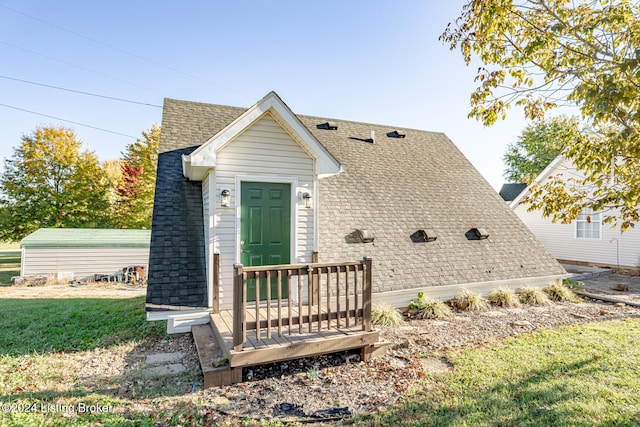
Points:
(75, 361)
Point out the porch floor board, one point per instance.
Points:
(287, 346)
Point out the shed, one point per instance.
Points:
(81, 253)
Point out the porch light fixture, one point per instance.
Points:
(225, 198)
(307, 200)
(366, 236)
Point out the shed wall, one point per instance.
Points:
(83, 263)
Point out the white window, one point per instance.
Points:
(589, 225)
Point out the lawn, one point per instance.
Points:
(9, 266)
(572, 376)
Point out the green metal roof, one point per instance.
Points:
(86, 238)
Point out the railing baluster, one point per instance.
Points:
(279, 279)
(268, 304)
(256, 281)
(338, 297)
(310, 295)
(346, 293)
(319, 272)
(328, 298)
(355, 292)
(289, 300)
(299, 302)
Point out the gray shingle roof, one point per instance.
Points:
(392, 187)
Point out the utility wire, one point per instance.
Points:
(76, 66)
(81, 92)
(159, 64)
(67, 121)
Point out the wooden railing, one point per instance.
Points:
(335, 295)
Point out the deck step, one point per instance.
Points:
(213, 356)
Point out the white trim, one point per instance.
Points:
(401, 298)
(210, 236)
(204, 157)
(180, 321)
(542, 176)
(293, 182)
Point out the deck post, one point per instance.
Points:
(238, 312)
(216, 283)
(366, 295)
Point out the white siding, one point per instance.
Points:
(560, 241)
(263, 152)
(84, 262)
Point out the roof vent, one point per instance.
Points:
(421, 236)
(372, 138)
(328, 126)
(477, 234)
(397, 134)
(366, 236)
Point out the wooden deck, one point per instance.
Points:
(336, 317)
(294, 341)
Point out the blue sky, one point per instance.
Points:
(370, 61)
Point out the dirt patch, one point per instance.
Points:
(90, 290)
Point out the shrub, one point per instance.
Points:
(533, 295)
(426, 307)
(384, 314)
(504, 297)
(559, 292)
(469, 301)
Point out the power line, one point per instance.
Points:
(77, 66)
(81, 92)
(151, 61)
(67, 121)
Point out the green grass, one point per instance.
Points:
(9, 266)
(572, 376)
(51, 325)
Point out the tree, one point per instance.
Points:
(136, 190)
(49, 182)
(537, 146)
(539, 54)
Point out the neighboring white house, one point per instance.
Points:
(587, 240)
(80, 253)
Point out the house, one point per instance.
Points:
(240, 187)
(82, 253)
(511, 190)
(587, 240)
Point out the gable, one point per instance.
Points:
(265, 144)
(196, 165)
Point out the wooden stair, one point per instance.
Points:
(214, 358)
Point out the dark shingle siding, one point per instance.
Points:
(177, 270)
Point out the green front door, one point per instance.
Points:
(265, 230)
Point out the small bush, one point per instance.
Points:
(504, 297)
(426, 307)
(385, 314)
(559, 292)
(533, 295)
(468, 301)
(572, 284)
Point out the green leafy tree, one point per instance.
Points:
(539, 54)
(138, 179)
(537, 146)
(50, 182)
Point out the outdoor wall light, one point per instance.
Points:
(307, 200)
(225, 198)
